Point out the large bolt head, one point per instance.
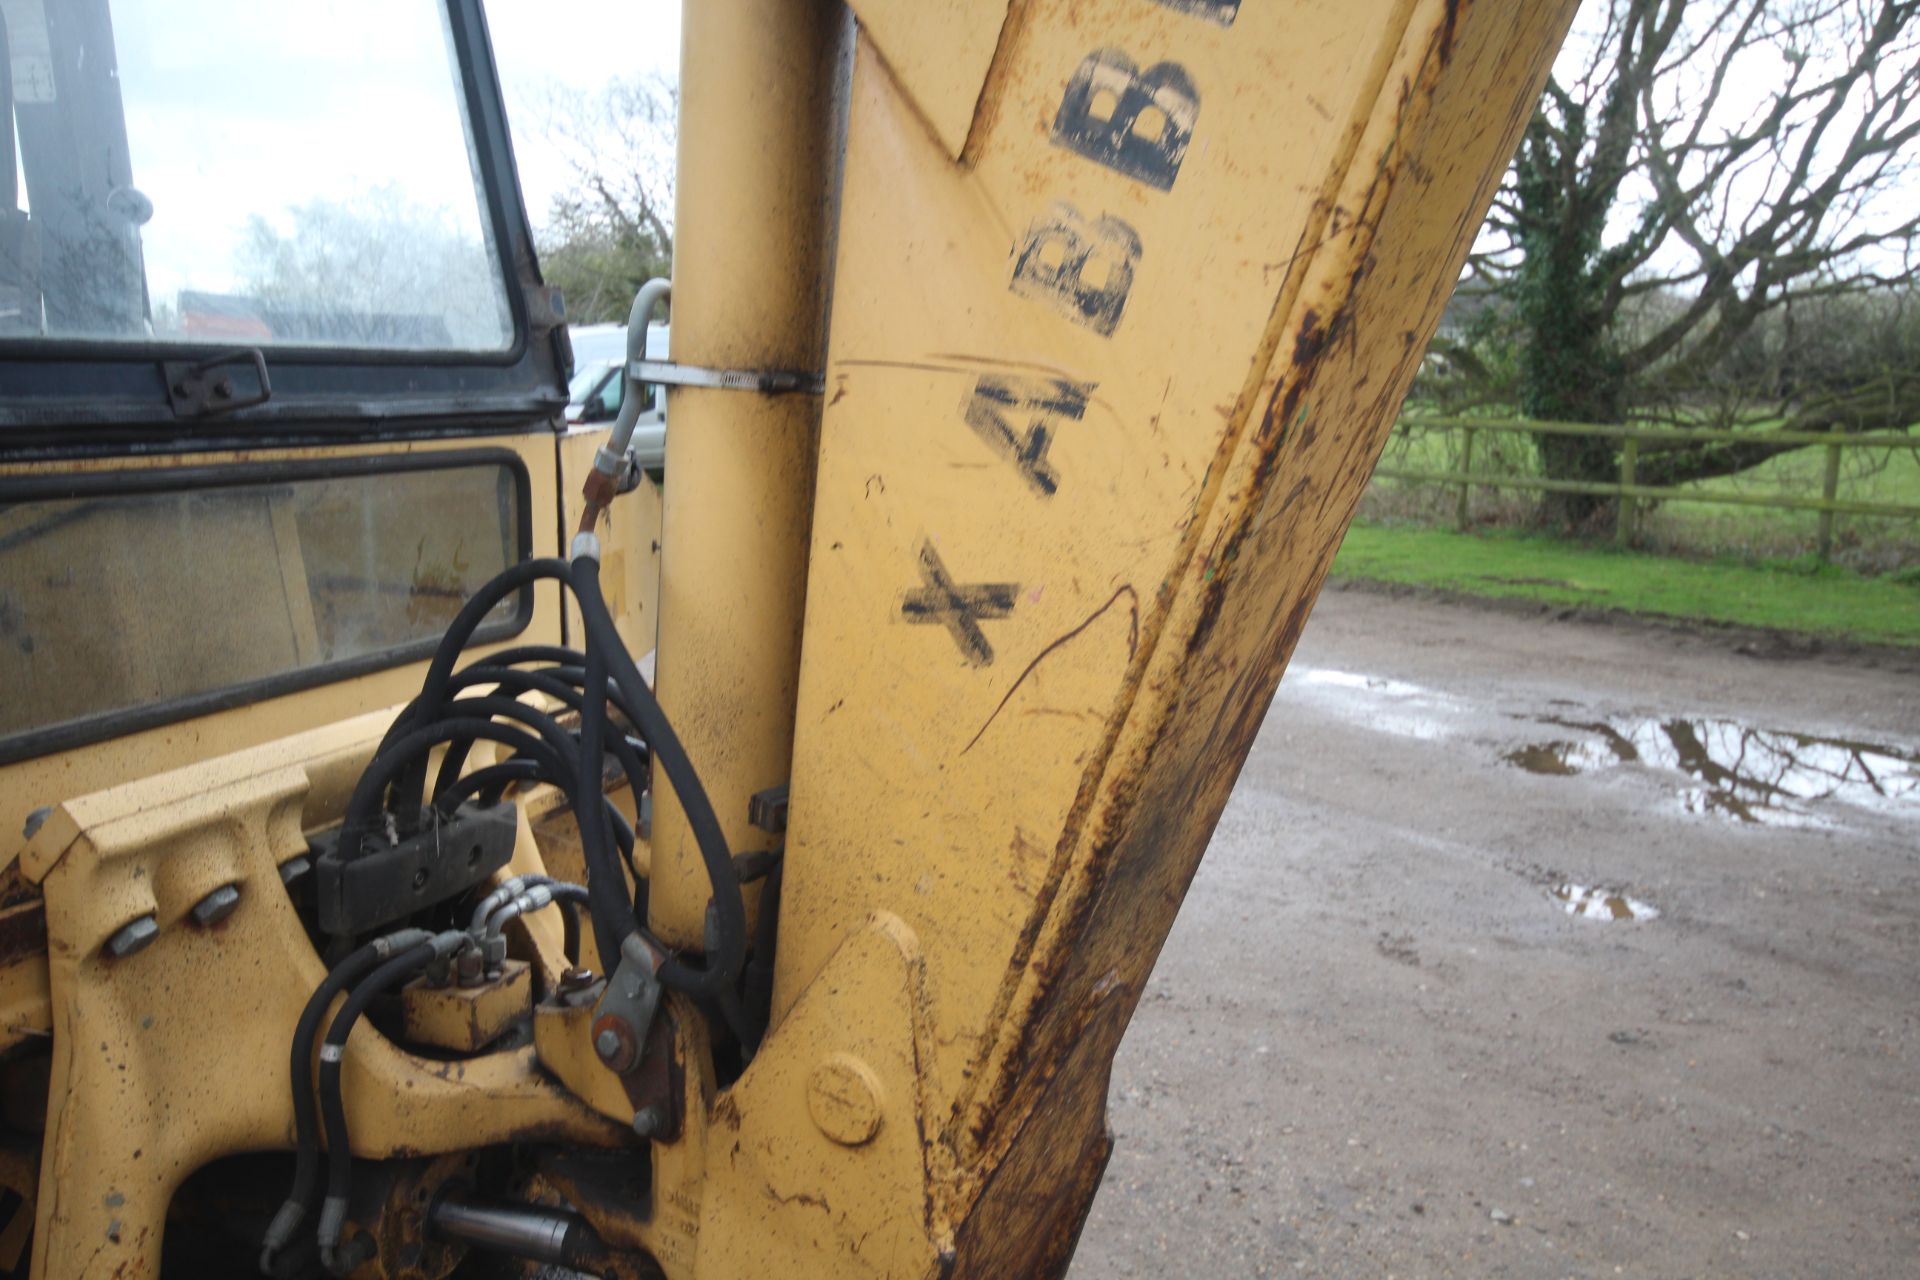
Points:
(615, 1040)
(650, 1121)
(216, 906)
(135, 935)
(845, 1099)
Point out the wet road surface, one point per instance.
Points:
(1537, 948)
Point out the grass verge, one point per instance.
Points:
(1795, 595)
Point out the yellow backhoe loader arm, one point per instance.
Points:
(1084, 323)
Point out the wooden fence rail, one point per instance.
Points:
(1631, 494)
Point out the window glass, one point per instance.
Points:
(125, 600)
(248, 172)
(611, 392)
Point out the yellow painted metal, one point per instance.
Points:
(563, 1042)
(468, 1019)
(1101, 397)
(46, 780)
(939, 52)
(174, 1056)
(791, 1189)
(750, 232)
(1090, 441)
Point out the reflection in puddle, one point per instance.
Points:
(1554, 758)
(1389, 706)
(1747, 774)
(1590, 902)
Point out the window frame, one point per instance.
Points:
(92, 395)
(102, 725)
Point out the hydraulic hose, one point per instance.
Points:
(557, 739)
(433, 690)
(608, 905)
(534, 898)
(618, 746)
(505, 891)
(728, 955)
(333, 1210)
(488, 782)
(306, 1169)
(402, 755)
(543, 750)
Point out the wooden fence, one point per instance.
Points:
(1631, 494)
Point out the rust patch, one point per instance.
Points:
(1030, 1214)
(23, 932)
(15, 888)
(1446, 31)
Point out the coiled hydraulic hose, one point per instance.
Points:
(542, 750)
(393, 789)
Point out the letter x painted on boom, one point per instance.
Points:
(958, 607)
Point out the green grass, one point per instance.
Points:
(1795, 595)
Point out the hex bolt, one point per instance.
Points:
(578, 987)
(649, 1120)
(607, 1045)
(216, 906)
(134, 936)
(470, 968)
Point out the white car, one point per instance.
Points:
(599, 385)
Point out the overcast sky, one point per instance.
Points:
(298, 103)
(578, 44)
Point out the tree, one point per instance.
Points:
(1708, 165)
(372, 270)
(612, 230)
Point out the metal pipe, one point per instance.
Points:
(750, 230)
(549, 1236)
(651, 295)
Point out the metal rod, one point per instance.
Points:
(750, 231)
(538, 1235)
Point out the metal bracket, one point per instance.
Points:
(208, 387)
(624, 1014)
(357, 894)
(768, 382)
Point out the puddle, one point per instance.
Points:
(1742, 773)
(1590, 902)
(1726, 768)
(1390, 706)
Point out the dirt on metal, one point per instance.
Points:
(1430, 1010)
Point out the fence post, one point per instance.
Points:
(1829, 489)
(1466, 486)
(1628, 508)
